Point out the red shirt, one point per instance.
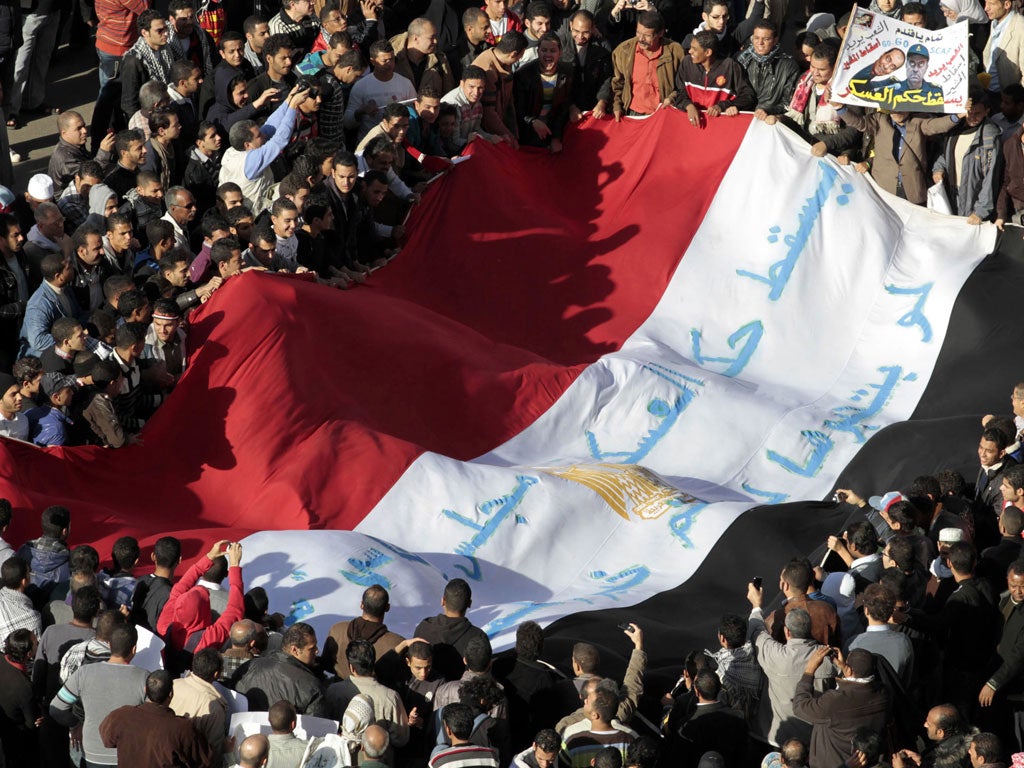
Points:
(116, 31)
(646, 96)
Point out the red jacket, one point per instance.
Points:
(724, 84)
(188, 610)
(515, 24)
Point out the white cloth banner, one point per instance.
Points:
(806, 314)
(892, 65)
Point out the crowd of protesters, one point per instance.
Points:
(904, 647)
(294, 139)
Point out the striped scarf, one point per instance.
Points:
(156, 63)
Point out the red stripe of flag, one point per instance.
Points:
(303, 405)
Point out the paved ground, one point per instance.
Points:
(73, 85)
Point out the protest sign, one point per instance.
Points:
(892, 65)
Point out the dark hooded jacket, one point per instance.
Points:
(223, 112)
(449, 637)
(47, 560)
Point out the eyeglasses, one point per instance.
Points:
(188, 207)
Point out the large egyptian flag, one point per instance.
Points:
(597, 385)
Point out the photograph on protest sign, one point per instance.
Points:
(892, 65)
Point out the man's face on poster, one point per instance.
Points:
(888, 62)
(916, 67)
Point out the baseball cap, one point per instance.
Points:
(55, 382)
(882, 503)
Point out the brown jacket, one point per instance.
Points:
(913, 163)
(672, 55)
(633, 682)
(437, 73)
(1011, 191)
(103, 421)
(499, 109)
(824, 621)
(337, 642)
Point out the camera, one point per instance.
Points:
(310, 84)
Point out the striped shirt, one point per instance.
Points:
(579, 749)
(116, 30)
(464, 756)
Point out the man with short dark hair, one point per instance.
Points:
(599, 710)
(98, 689)
(256, 32)
(470, 44)
(150, 58)
(772, 73)
(542, 753)
(279, 72)
(130, 148)
(196, 698)
(713, 726)
(387, 706)
(369, 625)
(880, 637)
(226, 257)
(450, 631)
(286, 748)
(188, 38)
(645, 68)
(457, 721)
(372, 92)
(286, 674)
(47, 557)
(20, 735)
(152, 591)
(468, 102)
(858, 700)
(737, 665)
(497, 63)
(70, 153)
(985, 750)
(1010, 649)
(55, 642)
(129, 344)
(794, 581)
(949, 740)
(477, 659)
(74, 200)
(994, 462)
(298, 22)
(151, 734)
(709, 82)
(341, 77)
(16, 611)
(811, 111)
(69, 339)
(591, 67)
(528, 682)
(967, 627)
(996, 559)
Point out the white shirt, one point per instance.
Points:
(16, 428)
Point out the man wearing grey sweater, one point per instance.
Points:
(100, 689)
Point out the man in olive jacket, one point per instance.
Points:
(641, 85)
